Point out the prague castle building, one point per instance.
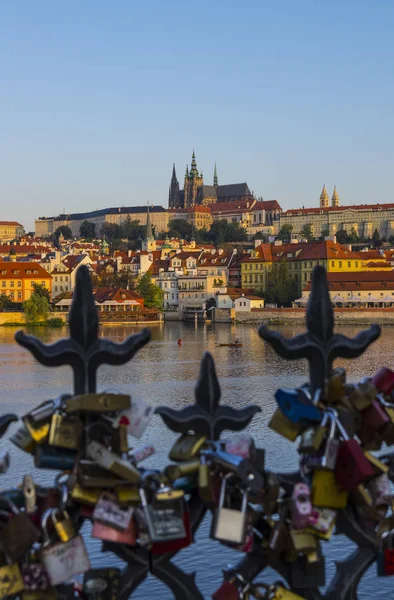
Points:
(196, 193)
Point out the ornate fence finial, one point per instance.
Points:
(320, 346)
(206, 417)
(83, 350)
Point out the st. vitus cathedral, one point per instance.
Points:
(196, 193)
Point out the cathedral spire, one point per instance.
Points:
(173, 196)
(335, 197)
(324, 198)
(215, 177)
(194, 170)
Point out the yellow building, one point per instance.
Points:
(17, 279)
(198, 216)
(9, 230)
(255, 267)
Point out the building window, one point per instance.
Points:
(12, 295)
(310, 264)
(19, 295)
(304, 276)
(12, 284)
(340, 264)
(19, 284)
(333, 263)
(43, 283)
(356, 264)
(348, 264)
(55, 288)
(3, 284)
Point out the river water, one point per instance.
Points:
(164, 373)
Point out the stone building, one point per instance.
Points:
(195, 192)
(9, 230)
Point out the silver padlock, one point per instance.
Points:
(326, 458)
(230, 524)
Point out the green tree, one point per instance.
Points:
(342, 237)
(132, 230)
(285, 232)
(87, 230)
(306, 232)
(36, 308)
(181, 229)
(325, 232)
(282, 289)
(353, 237)
(151, 293)
(222, 232)
(41, 291)
(5, 302)
(377, 242)
(111, 231)
(63, 230)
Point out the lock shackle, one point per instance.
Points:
(341, 429)
(384, 402)
(44, 525)
(10, 505)
(223, 488)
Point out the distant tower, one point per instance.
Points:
(173, 196)
(149, 243)
(193, 181)
(335, 197)
(324, 199)
(215, 177)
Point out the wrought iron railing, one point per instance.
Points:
(84, 351)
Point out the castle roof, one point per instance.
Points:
(233, 189)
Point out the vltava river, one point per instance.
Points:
(164, 373)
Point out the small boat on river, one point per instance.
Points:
(232, 345)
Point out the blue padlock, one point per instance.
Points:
(49, 457)
(297, 405)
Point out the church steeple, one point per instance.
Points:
(324, 198)
(149, 232)
(173, 195)
(194, 170)
(335, 197)
(215, 177)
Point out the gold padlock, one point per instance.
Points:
(205, 486)
(377, 464)
(284, 426)
(11, 580)
(176, 471)
(63, 525)
(98, 403)
(23, 440)
(326, 491)
(312, 438)
(361, 496)
(120, 442)
(65, 432)
(303, 540)
(186, 447)
(128, 495)
(49, 594)
(39, 432)
(87, 496)
(362, 395)
(336, 385)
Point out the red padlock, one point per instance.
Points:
(374, 420)
(227, 591)
(352, 466)
(384, 380)
(109, 534)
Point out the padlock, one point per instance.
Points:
(23, 440)
(138, 454)
(108, 512)
(63, 525)
(301, 507)
(229, 524)
(65, 431)
(19, 533)
(326, 491)
(205, 487)
(374, 420)
(242, 467)
(186, 447)
(380, 490)
(48, 594)
(101, 430)
(4, 461)
(101, 584)
(349, 419)
(35, 576)
(282, 425)
(378, 465)
(303, 540)
(271, 493)
(120, 442)
(335, 387)
(88, 496)
(176, 471)
(45, 410)
(384, 380)
(312, 438)
(362, 395)
(91, 475)
(127, 494)
(164, 516)
(352, 467)
(385, 558)
(275, 591)
(11, 580)
(243, 446)
(137, 417)
(327, 457)
(227, 591)
(306, 573)
(297, 405)
(59, 459)
(104, 532)
(98, 403)
(62, 560)
(175, 545)
(30, 494)
(38, 431)
(322, 522)
(112, 462)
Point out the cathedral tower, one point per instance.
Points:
(324, 198)
(193, 181)
(173, 196)
(335, 197)
(215, 177)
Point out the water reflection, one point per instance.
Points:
(165, 373)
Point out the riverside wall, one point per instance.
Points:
(18, 318)
(296, 316)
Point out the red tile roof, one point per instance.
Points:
(23, 270)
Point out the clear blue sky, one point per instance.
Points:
(98, 98)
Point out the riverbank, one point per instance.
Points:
(296, 316)
(16, 319)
